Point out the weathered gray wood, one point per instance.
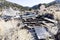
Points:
(50, 20)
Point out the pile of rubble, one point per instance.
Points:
(40, 24)
(29, 26)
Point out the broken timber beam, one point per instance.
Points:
(50, 20)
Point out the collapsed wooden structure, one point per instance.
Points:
(44, 23)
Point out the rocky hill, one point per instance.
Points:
(8, 4)
(46, 5)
